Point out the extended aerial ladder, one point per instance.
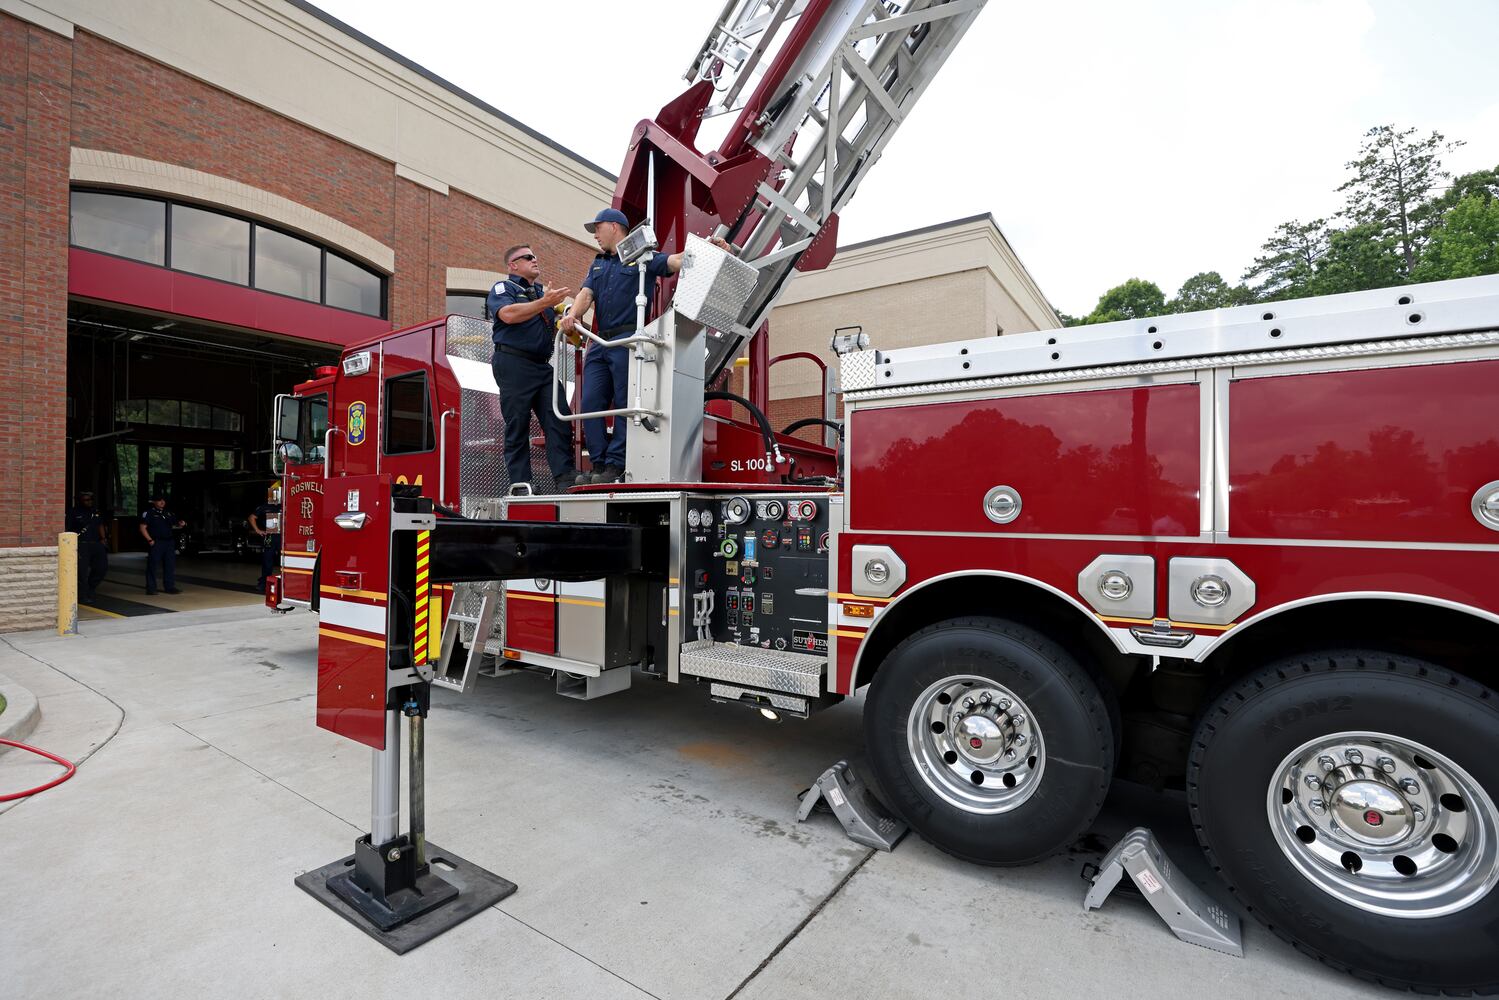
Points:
(804, 95)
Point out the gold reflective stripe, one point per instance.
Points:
(361, 639)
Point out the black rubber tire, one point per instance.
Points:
(1246, 734)
(1065, 704)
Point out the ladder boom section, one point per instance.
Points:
(816, 88)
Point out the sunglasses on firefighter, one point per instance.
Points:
(522, 256)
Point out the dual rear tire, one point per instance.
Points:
(1346, 799)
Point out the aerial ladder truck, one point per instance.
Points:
(1248, 553)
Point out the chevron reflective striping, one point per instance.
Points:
(423, 605)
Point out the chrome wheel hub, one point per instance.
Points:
(1385, 824)
(975, 744)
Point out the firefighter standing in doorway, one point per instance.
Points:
(93, 546)
(157, 527)
(266, 522)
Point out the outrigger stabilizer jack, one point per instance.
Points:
(383, 552)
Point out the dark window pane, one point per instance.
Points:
(131, 411)
(222, 459)
(166, 412)
(234, 423)
(193, 459)
(127, 479)
(158, 468)
(316, 428)
(466, 304)
(287, 265)
(210, 244)
(197, 414)
(408, 423)
(352, 287)
(127, 227)
(221, 418)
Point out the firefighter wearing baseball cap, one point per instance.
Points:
(610, 290)
(158, 527)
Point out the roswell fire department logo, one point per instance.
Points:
(356, 423)
(307, 506)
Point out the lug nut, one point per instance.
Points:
(1417, 813)
(1010, 754)
(985, 698)
(1020, 740)
(1017, 720)
(1318, 806)
(1326, 762)
(1409, 786)
(968, 704)
(1386, 765)
(1312, 781)
(1003, 704)
(1354, 757)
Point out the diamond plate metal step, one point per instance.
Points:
(752, 667)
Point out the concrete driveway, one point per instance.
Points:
(652, 835)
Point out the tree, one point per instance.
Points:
(1466, 243)
(1288, 260)
(1131, 300)
(1484, 183)
(1208, 290)
(1394, 177)
(1357, 258)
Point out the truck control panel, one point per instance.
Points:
(764, 561)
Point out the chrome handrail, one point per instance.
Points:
(442, 454)
(626, 411)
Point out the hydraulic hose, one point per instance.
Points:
(71, 770)
(767, 432)
(812, 421)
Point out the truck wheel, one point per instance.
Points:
(990, 740)
(1347, 798)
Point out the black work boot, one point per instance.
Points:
(608, 474)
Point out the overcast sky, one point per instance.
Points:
(1109, 139)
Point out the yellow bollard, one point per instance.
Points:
(67, 583)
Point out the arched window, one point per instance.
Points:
(222, 246)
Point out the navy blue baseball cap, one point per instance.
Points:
(607, 215)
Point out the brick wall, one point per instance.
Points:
(35, 83)
(28, 587)
(89, 93)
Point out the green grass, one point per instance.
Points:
(2, 703)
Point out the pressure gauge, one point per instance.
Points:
(773, 510)
(707, 519)
(694, 518)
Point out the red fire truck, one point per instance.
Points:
(1250, 553)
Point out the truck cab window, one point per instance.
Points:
(408, 415)
(314, 427)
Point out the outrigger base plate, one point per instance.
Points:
(477, 889)
(1190, 913)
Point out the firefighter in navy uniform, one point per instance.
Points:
(157, 527)
(610, 289)
(525, 316)
(266, 522)
(85, 521)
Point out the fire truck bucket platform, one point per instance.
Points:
(864, 818)
(441, 899)
(1191, 914)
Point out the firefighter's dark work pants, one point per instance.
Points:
(270, 558)
(526, 388)
(162, 560)
(93, 564)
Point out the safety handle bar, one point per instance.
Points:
(624, 411)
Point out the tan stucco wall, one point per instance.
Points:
(952, 282)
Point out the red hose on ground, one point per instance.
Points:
(72, 769)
